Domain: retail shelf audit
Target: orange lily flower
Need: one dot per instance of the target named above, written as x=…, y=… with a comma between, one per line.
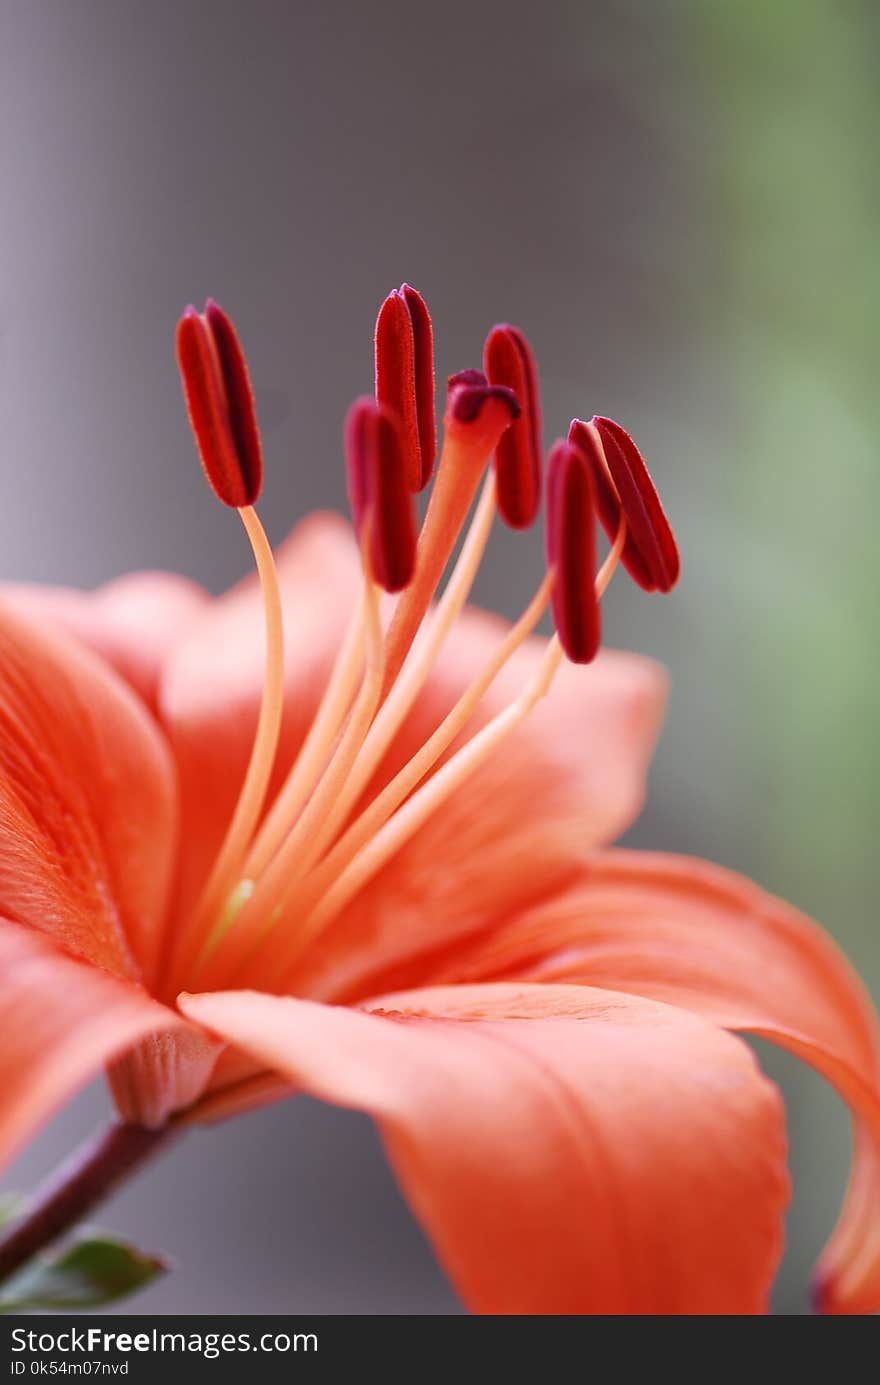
x=258, y=845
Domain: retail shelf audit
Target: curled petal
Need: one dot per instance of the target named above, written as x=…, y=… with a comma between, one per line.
x=573, y=778
x=550, y=1138
x=87, y=802
x=691, y=934
x=61, y=1021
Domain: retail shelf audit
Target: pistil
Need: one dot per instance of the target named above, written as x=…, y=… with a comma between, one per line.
x=476, y=416
x=417, y=667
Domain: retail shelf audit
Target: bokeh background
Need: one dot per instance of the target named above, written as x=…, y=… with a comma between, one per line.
x=679, y=202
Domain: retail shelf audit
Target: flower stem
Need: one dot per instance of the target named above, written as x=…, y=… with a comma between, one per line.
x=83, y=1181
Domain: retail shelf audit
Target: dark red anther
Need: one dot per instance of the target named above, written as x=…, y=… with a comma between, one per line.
x=220, y=403
x=381, y=501
x=571, y=551
x=624, y=485
x=405, y=377
x=508, y=359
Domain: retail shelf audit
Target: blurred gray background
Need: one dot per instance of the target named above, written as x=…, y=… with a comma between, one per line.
x=678, y=201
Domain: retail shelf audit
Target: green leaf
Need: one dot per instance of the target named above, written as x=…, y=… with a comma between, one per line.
x=87, y=1274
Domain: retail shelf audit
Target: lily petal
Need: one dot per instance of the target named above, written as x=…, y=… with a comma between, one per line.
x=595, y=731
x=61, y=1020
x=87, y=802
x=691, y=934
x=168, y=1072
x=210, y=689
x=573, y=776
x=567, y=1150
x=133, y=622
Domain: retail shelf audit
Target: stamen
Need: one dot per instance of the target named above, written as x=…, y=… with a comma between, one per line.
x=398, y=830
x=381, y=504
x=466, y=450
x=476, y=416
x=416, y=670
x=313, y=852
x=404, y=347
x=348, y=772
x=624, y=486
x=386, y=803
x=316, y=747
x=220, y=404
x=383, y=828
x=509, y=361
x=571, y=551
x=301, y=845
x=225, y=875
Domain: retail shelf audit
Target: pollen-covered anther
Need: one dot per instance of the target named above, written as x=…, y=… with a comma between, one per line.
x=379, y=494
x=509, y=361
x=404, y=346
x=220, y=403
x=624, y=487
x=571, y=552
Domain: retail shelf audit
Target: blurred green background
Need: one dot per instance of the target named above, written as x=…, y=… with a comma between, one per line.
x=779, y=492
x=771, y=759
x=679, y=201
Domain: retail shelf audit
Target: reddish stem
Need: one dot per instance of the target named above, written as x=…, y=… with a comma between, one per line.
x=83, y=1181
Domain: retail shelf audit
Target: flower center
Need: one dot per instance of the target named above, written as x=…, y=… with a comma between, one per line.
x=281, y=877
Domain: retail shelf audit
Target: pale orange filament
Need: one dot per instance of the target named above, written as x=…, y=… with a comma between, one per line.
x=361, y=854
x=416, y=669
x=394, y=793
x=449, y=504
x=297, y=850
x=399, y=828
x=363, y=744
x=227, y=866
x=274, y=888
x=458, y=475
x=315, y=749
x=381, y=808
